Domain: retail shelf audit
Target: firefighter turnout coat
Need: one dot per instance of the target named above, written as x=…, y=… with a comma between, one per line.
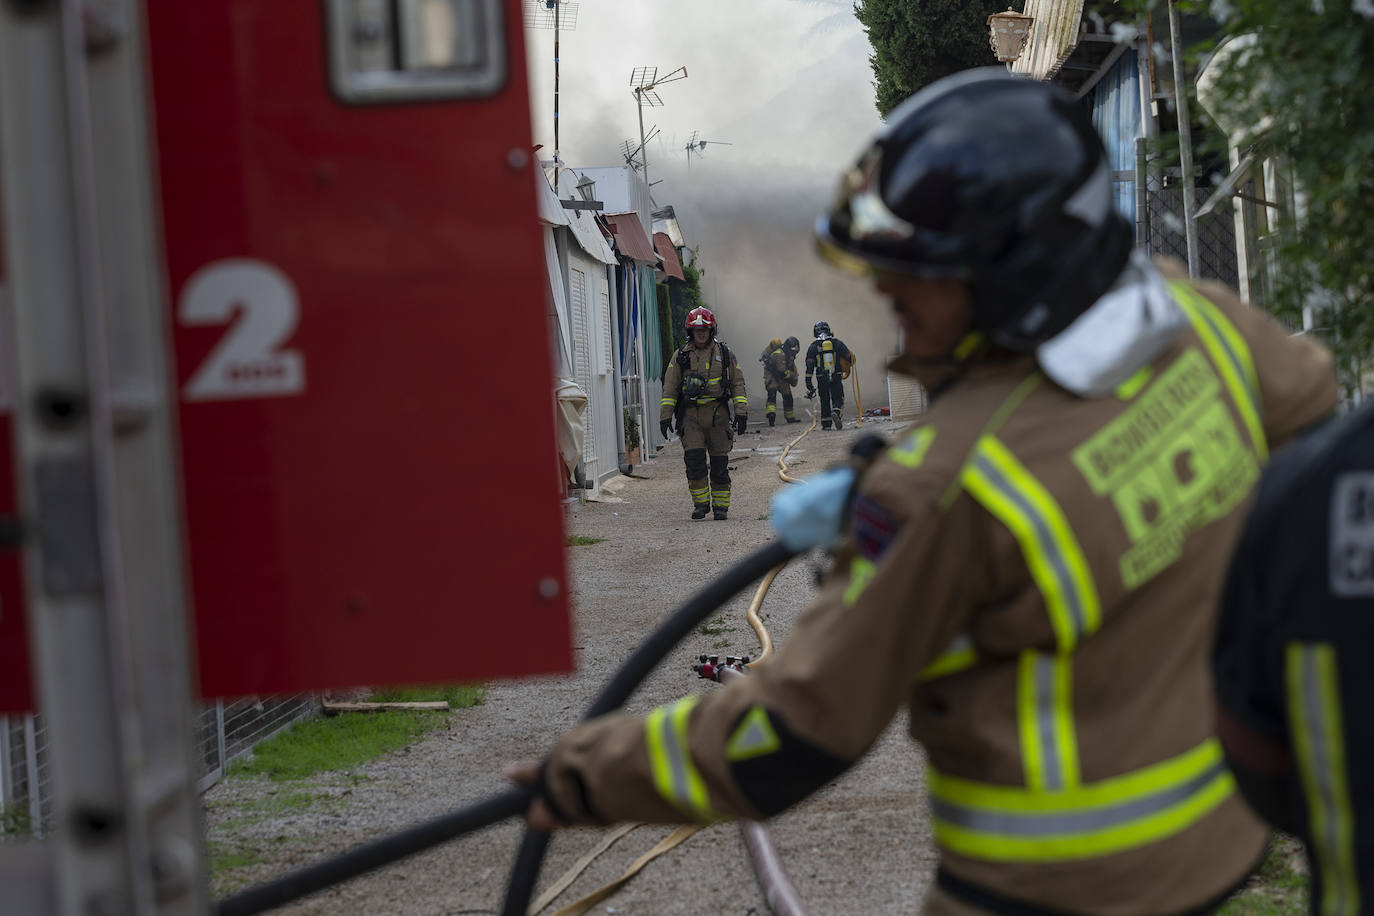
x=1034, y=574
x=724, y=386
x=779, y=369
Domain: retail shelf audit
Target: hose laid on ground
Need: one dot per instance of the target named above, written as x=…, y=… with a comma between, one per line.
x=767, y=864
x=513, y=802
x=645, y=659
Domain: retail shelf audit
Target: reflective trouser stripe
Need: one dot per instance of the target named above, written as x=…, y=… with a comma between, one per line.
x=958, y=656
x=1049, y=746
x=720, y=498
x=1005, y=488
x=1228, y=352
x=1317, y=724
x=771, y=408
x=1005, y=824
x=675, y=776
x=700, y=495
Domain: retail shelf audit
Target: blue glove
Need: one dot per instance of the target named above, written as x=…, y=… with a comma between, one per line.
x=811, y=513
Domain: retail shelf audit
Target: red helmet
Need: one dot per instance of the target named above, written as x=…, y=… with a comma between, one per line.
x=701, y=318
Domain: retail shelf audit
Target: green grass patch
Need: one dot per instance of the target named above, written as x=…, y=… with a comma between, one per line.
x=714, y=627
x=14, y=821
x=1279, y=888
x=577, y=540
x=353, y=738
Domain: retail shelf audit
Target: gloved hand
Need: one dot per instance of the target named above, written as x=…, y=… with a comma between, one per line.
x=811, y=513
x=665, y=427
x=810, y=389
x=741, y=423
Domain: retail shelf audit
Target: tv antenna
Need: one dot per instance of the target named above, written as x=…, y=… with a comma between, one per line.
x=644, y=83
x=632, y=151
x=559, y=15
x=697, y=146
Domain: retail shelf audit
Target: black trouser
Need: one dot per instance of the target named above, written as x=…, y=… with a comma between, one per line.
x=832, y=395
x=786, y=401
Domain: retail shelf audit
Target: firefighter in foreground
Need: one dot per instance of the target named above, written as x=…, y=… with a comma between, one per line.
x=702, y=383
x=1292, y=658
x=829, y=360
x=1032, y=570
x=779, y=360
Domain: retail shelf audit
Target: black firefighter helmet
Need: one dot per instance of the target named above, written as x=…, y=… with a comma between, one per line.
x=995, y=179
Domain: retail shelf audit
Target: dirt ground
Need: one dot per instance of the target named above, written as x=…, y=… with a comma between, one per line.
x=860, y=846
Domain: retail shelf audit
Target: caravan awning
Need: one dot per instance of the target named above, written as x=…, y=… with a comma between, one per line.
x=671, y=265
x=631, y=238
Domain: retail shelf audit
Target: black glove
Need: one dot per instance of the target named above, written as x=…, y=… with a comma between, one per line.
x=810, y=389
x=740, y=424
x=665, y=427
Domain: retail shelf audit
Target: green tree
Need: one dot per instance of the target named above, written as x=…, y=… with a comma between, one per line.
x=1302, y=90
x=916, y=42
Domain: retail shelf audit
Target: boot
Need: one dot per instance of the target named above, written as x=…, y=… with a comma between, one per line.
x=719, y=513
x=793, y=420
x=699, y=511
x=825, y=424
x=772, y=420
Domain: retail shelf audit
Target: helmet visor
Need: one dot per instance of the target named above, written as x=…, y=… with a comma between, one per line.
x=860, y=233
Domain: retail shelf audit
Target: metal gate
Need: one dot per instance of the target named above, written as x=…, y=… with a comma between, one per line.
x=582, y=357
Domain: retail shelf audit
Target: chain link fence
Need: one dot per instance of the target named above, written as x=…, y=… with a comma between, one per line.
x=224, y=731
x=1216, y=232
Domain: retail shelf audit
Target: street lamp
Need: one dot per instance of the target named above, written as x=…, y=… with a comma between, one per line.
x=1010, y=32
x=643, y=82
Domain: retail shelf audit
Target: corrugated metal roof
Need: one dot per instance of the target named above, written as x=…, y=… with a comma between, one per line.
x=631, y=238
x=1054, y=35
x=671, y=265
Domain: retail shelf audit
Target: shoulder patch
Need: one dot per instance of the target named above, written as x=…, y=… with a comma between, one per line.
x=874, y=528
x=753, y=737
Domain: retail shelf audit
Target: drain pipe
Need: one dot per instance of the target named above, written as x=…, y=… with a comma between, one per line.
x=772, y=877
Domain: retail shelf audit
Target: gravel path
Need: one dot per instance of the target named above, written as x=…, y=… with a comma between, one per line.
x=860, y=846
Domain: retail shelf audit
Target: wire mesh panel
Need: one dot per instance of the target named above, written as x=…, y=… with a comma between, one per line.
x=250, y=720
x=209, y=740
x=1216, y=233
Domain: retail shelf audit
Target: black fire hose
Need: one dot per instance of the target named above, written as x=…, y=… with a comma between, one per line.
x=513, y=802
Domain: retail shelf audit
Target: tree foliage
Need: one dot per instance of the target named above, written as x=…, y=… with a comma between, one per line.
x=1302, y=90
x=916, y=42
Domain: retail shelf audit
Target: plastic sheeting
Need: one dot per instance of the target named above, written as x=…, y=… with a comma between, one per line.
x=1116, y=115
x=572, y=404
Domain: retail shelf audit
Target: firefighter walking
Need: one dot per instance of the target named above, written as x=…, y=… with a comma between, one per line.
x=702, y=384
x=779, y=360
x=829, y=360
x=1032, y=570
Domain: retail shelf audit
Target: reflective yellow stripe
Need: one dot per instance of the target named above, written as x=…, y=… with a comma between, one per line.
x=1049, y=746
x=1005, y=488
x=959, y=656
x=1131, y=387
x=1317, y=723
x=675, y=776
x=668, y=402
x=1005, y=824
x=1229, y=354
x=911, y=451
x=861, y=573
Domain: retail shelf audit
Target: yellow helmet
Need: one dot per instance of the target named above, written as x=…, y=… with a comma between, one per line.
x=775, y=342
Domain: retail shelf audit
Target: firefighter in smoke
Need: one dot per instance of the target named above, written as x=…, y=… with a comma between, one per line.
x=779, y=360
x=702, y=384
x=1033, y=569
x=830, y=361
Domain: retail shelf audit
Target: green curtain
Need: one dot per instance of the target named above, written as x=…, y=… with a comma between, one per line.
x=653, y=356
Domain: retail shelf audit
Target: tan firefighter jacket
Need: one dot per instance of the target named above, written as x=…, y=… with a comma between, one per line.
x=1034, y=575
x=779, y=369
x=707, y=363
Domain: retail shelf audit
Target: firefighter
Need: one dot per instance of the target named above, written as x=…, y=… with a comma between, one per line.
x=829, y=360
x=1292, y=658
x=779, y=360
x=1032, y=570
x=702, y=383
